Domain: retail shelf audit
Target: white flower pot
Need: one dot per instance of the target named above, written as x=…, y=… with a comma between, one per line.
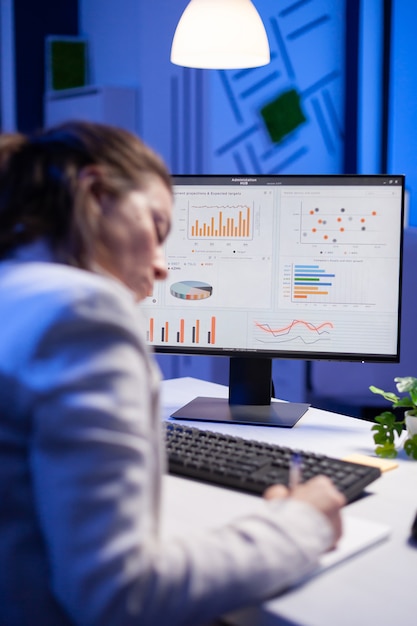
x=411, y=423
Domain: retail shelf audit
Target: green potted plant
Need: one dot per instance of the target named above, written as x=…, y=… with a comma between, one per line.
x=388, y=428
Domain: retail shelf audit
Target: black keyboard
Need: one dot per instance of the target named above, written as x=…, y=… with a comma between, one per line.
x=252, y=466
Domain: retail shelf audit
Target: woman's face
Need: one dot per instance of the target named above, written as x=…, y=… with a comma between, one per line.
x=132, y=232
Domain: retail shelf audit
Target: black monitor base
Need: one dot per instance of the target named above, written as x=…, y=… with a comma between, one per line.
x=249, y=402
x=284, y=414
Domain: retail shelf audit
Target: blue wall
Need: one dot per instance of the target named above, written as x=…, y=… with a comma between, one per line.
x=304, y=85
x=403, y=101
x=212, y=121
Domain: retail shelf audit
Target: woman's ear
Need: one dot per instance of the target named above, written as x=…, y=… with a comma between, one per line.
x=91, y=180
x=90, y=200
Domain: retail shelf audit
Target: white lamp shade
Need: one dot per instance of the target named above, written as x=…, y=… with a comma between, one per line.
x=220, y=34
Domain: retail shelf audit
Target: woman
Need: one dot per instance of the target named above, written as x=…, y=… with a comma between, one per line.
x=84, y=212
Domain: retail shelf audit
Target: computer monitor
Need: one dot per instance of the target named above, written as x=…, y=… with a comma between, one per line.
x=279, y=266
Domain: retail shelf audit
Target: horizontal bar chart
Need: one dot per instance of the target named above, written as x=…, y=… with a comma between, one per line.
x=310, y=280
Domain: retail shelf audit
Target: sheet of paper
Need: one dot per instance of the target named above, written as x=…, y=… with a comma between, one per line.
x=358, y=535
x=190, y=507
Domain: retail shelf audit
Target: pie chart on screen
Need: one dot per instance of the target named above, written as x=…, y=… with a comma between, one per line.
x=191, y=290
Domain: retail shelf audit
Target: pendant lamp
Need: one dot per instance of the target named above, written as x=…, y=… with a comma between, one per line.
x=220, y=34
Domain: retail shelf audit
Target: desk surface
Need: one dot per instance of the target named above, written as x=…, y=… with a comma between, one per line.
x=373, y=587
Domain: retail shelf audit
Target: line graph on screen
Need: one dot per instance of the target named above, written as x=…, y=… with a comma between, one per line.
x=296, y=330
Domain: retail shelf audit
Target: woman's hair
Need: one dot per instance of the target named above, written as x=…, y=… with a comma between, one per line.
x=50, y=183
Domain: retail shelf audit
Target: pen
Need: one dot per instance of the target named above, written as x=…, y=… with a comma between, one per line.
x=294, y=477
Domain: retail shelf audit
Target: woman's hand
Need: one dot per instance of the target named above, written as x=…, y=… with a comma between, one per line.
x=320, y=493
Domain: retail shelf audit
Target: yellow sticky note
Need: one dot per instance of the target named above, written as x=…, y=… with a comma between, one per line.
x=383, y=464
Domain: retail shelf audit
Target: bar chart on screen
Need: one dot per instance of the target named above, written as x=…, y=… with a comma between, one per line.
x=182, y=330
x=340, y=282
x=222, y=214
x=220, y=221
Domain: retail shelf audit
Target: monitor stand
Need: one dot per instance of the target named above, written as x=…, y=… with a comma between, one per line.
x=249, y=402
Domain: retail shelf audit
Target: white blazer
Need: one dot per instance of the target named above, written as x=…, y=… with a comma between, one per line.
x=81, y=458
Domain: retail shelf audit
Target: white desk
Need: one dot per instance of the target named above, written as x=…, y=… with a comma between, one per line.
x=374, y=587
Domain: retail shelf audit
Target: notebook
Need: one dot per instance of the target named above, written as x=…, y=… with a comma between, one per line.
x=358, y=535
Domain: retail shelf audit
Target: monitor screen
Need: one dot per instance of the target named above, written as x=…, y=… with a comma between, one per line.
x=281, y=266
